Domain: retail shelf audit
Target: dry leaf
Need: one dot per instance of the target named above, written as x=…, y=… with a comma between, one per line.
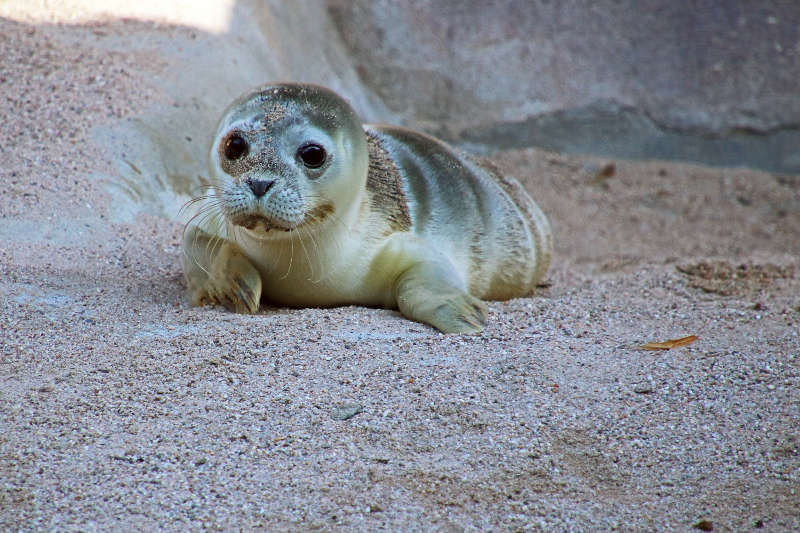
x=672, y=343
x=703, y=525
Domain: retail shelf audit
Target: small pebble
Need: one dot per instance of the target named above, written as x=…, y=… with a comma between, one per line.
x=346, y=411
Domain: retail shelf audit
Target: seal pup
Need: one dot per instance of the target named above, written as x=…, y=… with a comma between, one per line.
x=311, y=208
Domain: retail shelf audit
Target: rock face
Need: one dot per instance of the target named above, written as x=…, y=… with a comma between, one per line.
x=714, y=82
x=709, y=82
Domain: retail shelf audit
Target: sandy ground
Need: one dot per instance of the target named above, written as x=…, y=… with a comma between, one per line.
x=121, y=408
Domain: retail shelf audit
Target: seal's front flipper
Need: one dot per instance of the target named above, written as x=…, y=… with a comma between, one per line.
x=426, y=292
x=218, y=272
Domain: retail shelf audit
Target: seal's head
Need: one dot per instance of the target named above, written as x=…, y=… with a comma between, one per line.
x=287, y=156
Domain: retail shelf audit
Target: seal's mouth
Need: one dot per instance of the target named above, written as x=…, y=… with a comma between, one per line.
x=253, y=222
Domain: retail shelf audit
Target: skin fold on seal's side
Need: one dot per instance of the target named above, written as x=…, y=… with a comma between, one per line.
x=309, y=208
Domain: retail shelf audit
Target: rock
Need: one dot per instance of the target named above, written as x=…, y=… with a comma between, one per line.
x=346, y=411
x=652, y=79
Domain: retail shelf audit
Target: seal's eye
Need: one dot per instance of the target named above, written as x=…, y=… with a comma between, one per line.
x=235, y=147
x=312, y=155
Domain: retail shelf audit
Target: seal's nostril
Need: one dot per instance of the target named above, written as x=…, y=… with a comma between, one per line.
x=259, y=187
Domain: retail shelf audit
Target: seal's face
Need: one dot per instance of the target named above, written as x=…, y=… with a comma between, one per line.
x=287, y=156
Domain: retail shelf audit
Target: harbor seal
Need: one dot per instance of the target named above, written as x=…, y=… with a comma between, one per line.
x=310, y=208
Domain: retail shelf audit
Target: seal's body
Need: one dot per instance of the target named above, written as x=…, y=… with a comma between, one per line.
x=318, y=210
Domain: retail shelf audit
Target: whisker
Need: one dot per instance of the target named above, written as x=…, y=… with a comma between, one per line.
x=218, y=242
x=202, y=197
x=319, y=250
x=308, y=258
x=291, y=257
x=318, y=254
x=207, y=215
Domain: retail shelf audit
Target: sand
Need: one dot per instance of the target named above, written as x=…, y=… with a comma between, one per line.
x=122, y=408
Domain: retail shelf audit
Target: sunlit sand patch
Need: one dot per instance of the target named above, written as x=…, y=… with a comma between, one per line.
x=208, y=15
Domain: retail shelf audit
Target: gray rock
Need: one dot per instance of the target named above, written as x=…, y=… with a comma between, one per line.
x=713, y=82
x=346, y=411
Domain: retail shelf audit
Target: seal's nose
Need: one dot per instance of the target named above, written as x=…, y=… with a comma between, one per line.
x=259, y=187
